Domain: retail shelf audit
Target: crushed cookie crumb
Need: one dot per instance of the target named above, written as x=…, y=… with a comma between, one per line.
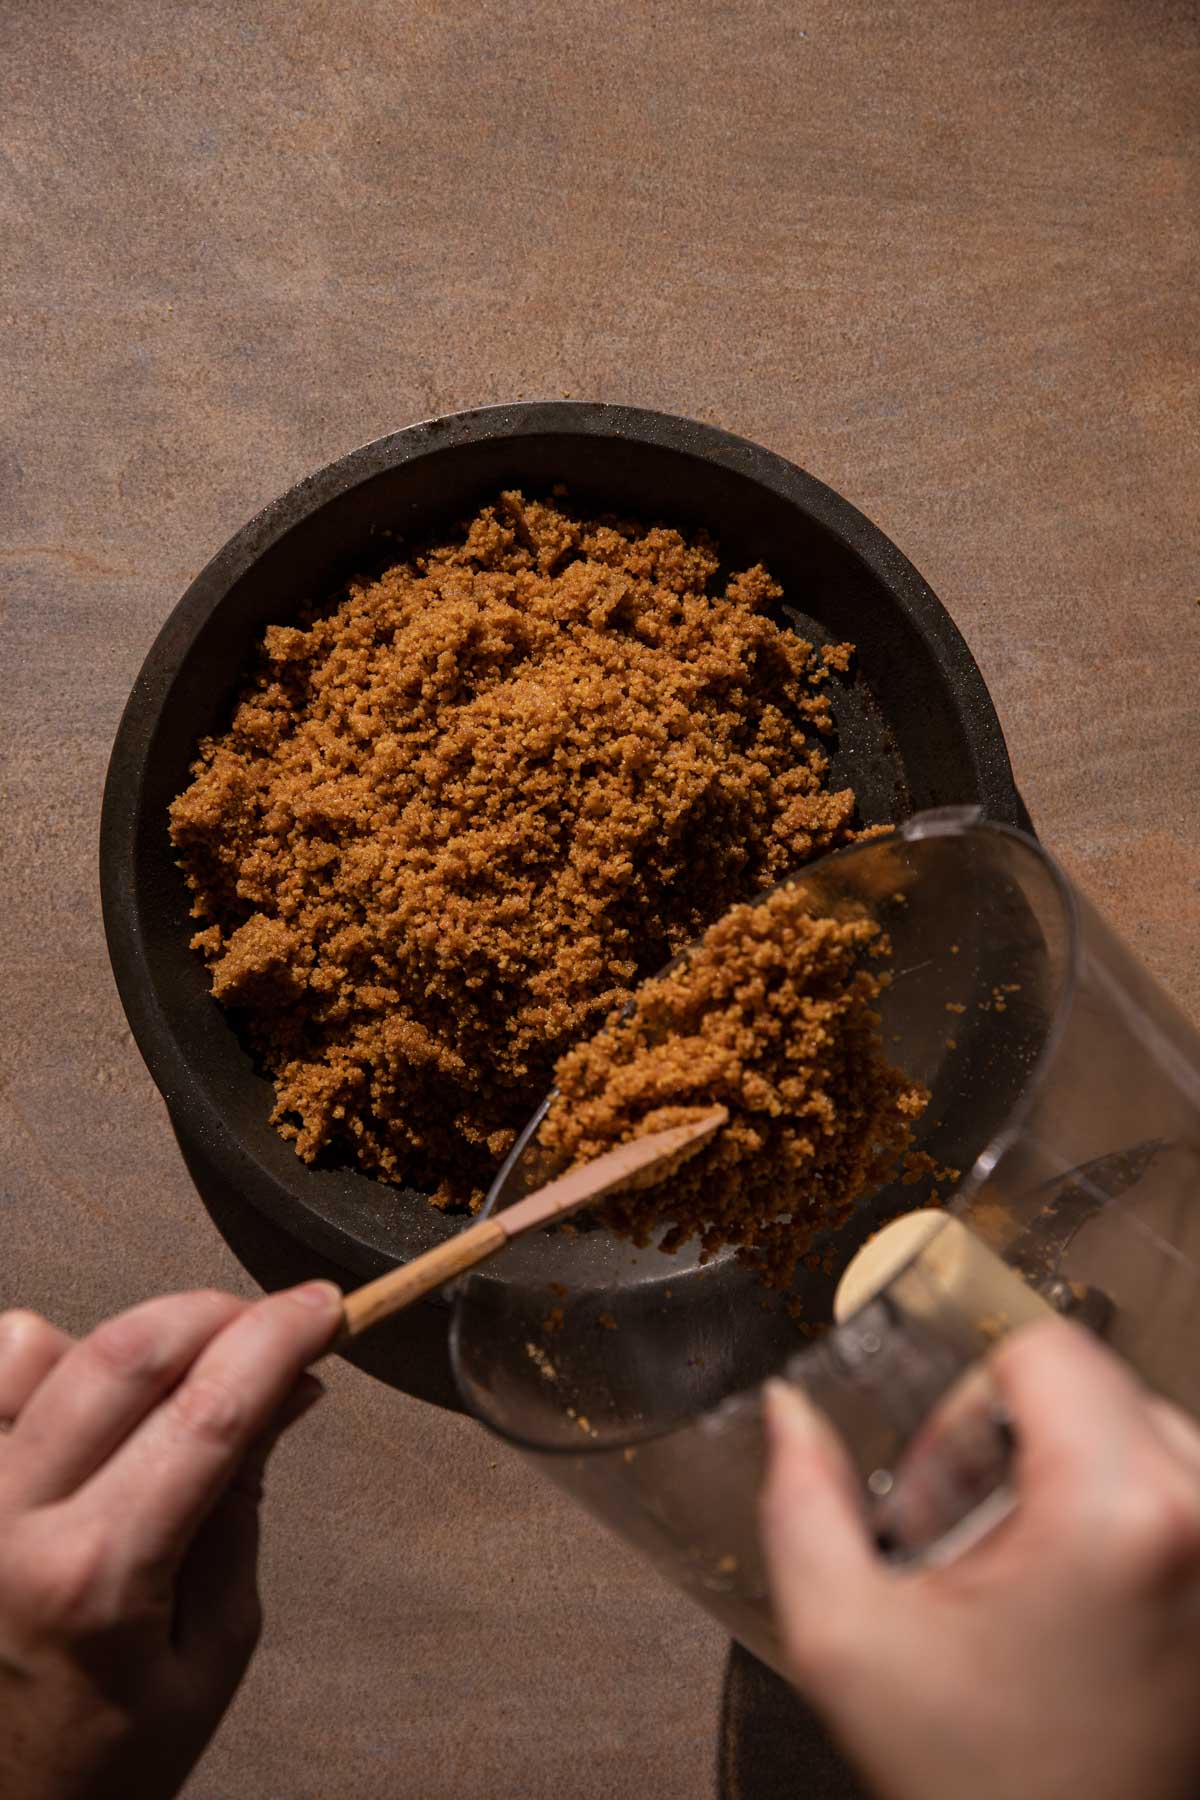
x=464, y=807
x=918, y=1165
x=541, y=1361
x=772, y=1015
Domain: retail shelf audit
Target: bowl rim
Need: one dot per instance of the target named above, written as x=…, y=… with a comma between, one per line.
x=121, y=901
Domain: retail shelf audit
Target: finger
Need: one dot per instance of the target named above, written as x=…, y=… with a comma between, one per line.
x=103, y=1387
x=29, y=1348
x=303, y=1397
x=821, y=1562
x=217, y=1608
x=957, y=1458
x=218, y=1612
x=171, y=1472
x=1081, y=1421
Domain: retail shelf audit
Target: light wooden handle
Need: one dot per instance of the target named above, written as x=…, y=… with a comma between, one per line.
x=632, y=1165
x=366, y=1306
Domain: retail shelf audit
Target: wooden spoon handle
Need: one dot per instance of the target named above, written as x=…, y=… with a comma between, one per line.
x=366, y=1306
x=636, y=1164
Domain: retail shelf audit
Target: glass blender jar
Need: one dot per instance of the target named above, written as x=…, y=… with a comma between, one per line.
x=1064, y=1090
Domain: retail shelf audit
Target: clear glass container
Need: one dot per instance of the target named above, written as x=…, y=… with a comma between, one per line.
x=1065, y=1090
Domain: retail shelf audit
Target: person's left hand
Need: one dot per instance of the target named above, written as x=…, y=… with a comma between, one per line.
x=129, y=1483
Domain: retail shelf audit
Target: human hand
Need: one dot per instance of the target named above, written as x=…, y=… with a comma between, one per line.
x=1060, y=1654
x=129, y=1472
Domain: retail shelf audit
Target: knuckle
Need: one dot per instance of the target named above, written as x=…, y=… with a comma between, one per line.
x=62, y=1583
x=209, y=1410
x=215, y=1298
x=127, y=1346
x=1156, y=1526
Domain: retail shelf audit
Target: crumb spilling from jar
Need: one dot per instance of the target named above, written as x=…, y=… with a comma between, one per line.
x=461, y=812
x=773, y=1015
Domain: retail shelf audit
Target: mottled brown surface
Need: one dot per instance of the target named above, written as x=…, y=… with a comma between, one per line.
x=459, y=815
x=772, y=1015
x=944, y=256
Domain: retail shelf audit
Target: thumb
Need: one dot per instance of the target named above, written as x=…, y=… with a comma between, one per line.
x=304, y=1396
x=217, y=1611
x=824, y=1574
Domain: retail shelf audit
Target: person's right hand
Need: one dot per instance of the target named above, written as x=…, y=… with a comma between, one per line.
x=1059, y=1656
x=129, y=1470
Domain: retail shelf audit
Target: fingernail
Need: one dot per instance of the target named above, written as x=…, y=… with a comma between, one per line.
x=321, y=1296
x=790, y=1415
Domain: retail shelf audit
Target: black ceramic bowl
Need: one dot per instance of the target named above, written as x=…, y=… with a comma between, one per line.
x=915, y=726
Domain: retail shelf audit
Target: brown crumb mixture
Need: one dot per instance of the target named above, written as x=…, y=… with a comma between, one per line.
x=460, y=813
x=772, y=1015
x=920, y=1166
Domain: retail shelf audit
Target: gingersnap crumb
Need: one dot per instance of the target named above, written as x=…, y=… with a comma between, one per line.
x=463, y=810
x=772, y=1015
x=606, y=1320
x=918, y=1165
x=541, y=1361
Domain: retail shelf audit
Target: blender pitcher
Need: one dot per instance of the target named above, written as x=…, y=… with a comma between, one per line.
x=1063, y=1139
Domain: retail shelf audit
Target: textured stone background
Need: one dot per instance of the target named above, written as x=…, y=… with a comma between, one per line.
x=942, y=255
